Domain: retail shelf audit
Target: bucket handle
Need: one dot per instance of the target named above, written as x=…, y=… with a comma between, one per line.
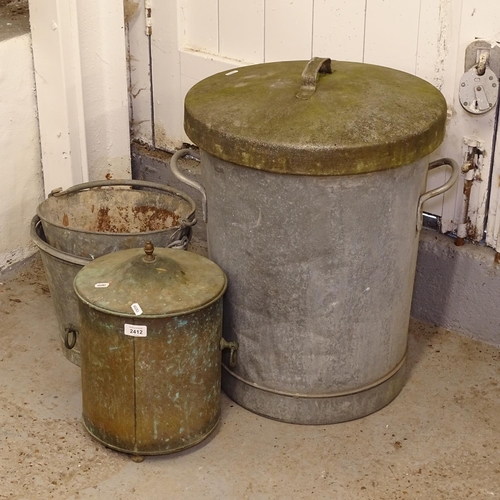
x=439, y=190
x=186, y=180
x=116, y=182
x=58, y=254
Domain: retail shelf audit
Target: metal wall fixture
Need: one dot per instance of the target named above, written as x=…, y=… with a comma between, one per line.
x=478, y=94
x=478, y=91
x=471, y=170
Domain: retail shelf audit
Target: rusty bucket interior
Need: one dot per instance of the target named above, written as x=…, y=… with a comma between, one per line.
x=96, y=218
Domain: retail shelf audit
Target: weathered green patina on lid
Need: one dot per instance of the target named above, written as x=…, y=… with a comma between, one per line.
x=175, y=282
x=360, y=118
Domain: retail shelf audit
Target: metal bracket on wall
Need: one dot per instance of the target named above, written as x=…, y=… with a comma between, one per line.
x=473, y=54
x=148, y=17
x=478, y=91
x=471, y=169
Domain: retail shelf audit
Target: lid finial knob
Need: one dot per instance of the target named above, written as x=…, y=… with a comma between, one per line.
x=148, y=250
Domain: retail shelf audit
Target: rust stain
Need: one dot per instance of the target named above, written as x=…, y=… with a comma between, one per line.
x=103, y=220
x=497, y=258
x=145, y=218
x=65, y=220
x=92, y=209
x=156, y=218
x=467, y=188
x=109, y=176
x=130, y=7
x=472, y=232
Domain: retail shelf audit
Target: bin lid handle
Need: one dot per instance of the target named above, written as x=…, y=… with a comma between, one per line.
x=310, y=75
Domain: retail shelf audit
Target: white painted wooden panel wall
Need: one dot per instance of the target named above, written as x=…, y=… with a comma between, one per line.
x=139, y=73
x=192, y=39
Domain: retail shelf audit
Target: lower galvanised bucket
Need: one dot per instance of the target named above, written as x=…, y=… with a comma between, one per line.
x=60, y=270
x=320, y=272
x=89, y=220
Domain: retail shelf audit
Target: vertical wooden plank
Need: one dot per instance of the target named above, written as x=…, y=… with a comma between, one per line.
x=338, y=29
x=241, y=30
x=61, y=126
x=391, y=33
x=437, y=45
x=436, y=62
x=139, y=65
x=199, y=25
x=167, y=100
x=288, y=30
x=493, y=228
x=196, y=66
x=104, y=75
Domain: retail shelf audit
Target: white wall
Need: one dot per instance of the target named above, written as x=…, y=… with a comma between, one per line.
x=21, y=186
x=80, y=58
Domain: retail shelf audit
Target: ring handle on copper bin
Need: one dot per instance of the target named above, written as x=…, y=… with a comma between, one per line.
x=72, y=332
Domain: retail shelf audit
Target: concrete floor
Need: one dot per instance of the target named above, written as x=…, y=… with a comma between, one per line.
x=438, y=440
x=14, y=18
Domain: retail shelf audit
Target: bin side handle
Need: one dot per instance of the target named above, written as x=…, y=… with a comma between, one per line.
x=439, y=190
x=186, y=180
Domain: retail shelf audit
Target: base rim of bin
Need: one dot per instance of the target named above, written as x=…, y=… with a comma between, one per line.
x=152, y=453
x=311, y=410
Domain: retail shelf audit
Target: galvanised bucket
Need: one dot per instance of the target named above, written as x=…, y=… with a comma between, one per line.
x=314, y=187
x=90, y=220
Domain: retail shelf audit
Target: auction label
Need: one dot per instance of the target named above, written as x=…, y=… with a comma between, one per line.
x=135, y=330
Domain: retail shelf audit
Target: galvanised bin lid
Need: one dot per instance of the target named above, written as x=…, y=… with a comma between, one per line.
x=332, y=118
x=150, y=283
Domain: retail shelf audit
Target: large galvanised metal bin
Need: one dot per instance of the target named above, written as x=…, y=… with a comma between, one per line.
x=315, y=180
